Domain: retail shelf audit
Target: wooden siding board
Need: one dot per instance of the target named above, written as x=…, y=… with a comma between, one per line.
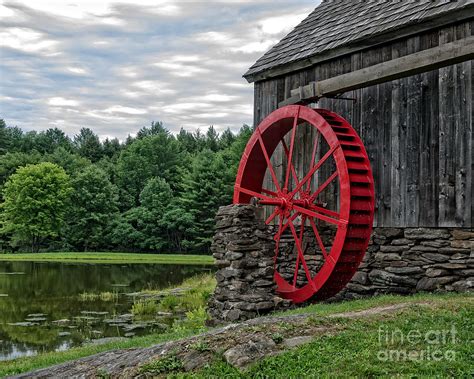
x=463, y=131
x=414, y=121
x=429, y=142
x=447, y=127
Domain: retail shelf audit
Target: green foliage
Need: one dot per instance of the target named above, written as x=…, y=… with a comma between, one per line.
x=94, y=205
x=35, y=203
x=164, y=365
x=144, y=307
x=207, y=185
x=103, y=296
x=88, y=145
x=154, y=193
x=195, y=320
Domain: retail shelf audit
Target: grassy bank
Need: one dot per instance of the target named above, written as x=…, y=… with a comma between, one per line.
x=100, y=257
x=354, y=351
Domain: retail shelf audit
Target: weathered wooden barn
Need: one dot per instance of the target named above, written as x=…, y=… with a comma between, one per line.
x=417, y=130
x=417, y=127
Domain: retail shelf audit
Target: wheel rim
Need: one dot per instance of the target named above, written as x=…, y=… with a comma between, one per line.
x=339, y=169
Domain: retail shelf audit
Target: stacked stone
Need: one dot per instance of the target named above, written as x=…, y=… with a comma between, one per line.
x=243, y=248
x=415, y=259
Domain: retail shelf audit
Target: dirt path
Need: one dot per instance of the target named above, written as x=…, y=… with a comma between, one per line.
x=241, y=345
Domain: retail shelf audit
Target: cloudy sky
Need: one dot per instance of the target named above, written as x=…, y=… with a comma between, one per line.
x=115, y=66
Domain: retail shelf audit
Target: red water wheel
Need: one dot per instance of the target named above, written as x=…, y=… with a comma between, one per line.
x=320, y=210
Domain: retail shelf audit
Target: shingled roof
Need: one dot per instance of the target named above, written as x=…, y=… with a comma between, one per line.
x=339, y=27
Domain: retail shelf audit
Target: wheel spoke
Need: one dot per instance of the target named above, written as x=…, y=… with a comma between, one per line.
x=292, y=147
x=277, y=238
x=291, y=218
x=293, y=171
x=255, y=194
x=300, y=252
x=318, y=237
x=313, y=157
x=268, y=192
x=313, y=170
x=269, y=163
x=324, y=211
x=320, y=216
x=295, y=277
x=322, y=187
x=272, y=216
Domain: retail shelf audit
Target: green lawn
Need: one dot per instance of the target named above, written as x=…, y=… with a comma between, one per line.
x=109, y=258
x=355, y=351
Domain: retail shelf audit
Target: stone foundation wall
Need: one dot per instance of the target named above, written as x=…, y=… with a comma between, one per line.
x=243, y=247
x=401, y=261
x=410, y=260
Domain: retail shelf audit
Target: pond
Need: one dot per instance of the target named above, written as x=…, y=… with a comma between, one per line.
x=56, y=306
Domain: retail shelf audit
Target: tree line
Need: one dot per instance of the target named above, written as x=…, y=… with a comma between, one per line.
x=155, y=192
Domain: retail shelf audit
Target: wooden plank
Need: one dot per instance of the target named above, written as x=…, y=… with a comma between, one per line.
x=385, y=104
x=447, y=128
x=429, y=142
x=441, y=56
x=413, y=131
x=398, y=148
x=463, y=136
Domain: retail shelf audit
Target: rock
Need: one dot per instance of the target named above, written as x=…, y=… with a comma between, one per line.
x=450, y=266
x=436, y=257
x=194, y=359
x=434, y=272
x=389, y=232
x=296, y=341
x=463, y=244
x=464, y=285
x=405, y=270
x=387, y=257
x=384, y=277
x=360, y=277
x=402, y=241
x=242, y=355
x=462, y=234
x=426, y=234
x=64, y=334
x=36, y=319
x=394, y=249
x=61, y=322
x=430, y=284
x=435, y=243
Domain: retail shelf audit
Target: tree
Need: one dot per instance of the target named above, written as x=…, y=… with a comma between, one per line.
x=212, y=139
x=94, y=204
x=35, y=200
x=88, y=145
x=155, y=129
x=154, y=156
x=4, y=140
x=10, y=162
x=227, y=139
x=207, y=186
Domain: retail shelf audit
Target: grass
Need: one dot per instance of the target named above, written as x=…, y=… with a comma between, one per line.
x=103, y=296
x=118, y=258
x=162, y=366
x=144, y=307
x=352, y=352
x=415, y=342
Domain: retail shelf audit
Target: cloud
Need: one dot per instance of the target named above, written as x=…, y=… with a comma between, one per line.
x=115, y=66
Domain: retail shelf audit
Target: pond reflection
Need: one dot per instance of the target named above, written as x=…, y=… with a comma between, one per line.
x=55, y=306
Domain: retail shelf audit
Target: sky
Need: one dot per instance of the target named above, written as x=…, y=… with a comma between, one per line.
x=116, y=66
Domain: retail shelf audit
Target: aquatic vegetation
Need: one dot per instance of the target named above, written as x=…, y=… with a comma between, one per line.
x=144, y=307
x=103, y=296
